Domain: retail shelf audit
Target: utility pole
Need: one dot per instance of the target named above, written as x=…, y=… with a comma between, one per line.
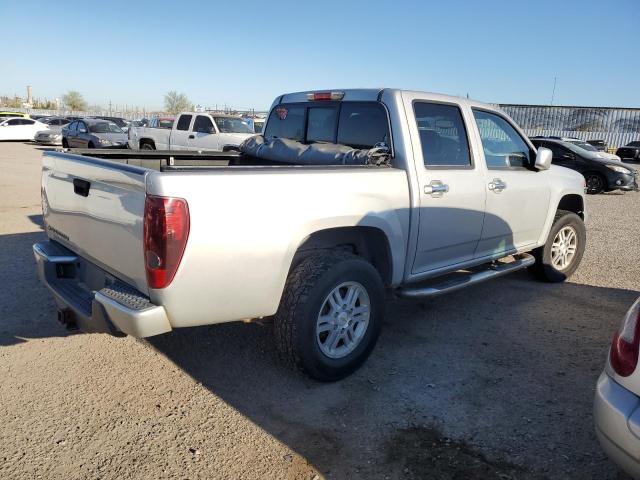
x=553, y=93
x=109, y=107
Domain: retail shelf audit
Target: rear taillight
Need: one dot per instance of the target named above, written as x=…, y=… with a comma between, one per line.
x=166, y=229
x=626, y=342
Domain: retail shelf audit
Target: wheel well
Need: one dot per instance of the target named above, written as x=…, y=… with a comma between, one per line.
x=230, y=148
x=572, y=203
x=368, y=242
x=147, y=140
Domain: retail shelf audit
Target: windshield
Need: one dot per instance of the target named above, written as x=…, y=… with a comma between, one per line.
x=104, y=127
x=584, y=145
x=232, y=125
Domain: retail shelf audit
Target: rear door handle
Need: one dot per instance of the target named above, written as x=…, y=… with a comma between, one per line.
x=436, y=188
x=497, y=185
x=81, y=187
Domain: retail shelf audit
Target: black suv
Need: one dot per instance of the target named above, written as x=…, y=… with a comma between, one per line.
x=599, y=174
x=630, y=152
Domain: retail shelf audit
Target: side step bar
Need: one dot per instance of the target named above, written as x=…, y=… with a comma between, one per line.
x=496, y=269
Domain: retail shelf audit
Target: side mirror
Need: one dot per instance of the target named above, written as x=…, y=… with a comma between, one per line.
x=543, y=158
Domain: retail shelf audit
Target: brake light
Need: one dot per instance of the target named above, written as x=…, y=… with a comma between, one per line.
x=626, y=342
x=166, y=229
x=325, y=96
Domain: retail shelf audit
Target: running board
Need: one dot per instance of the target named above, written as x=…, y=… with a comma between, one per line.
x=465, y=279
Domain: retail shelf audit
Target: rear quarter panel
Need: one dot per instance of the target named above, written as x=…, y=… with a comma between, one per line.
x=246, y=226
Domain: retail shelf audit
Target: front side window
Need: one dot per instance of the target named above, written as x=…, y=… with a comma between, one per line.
x=183, y=122
x=443, y=136
x=82, y=128
x=203, y=125
x=503, y=146
x=27, y=122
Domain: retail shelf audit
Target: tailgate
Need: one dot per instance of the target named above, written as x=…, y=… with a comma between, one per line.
x=95, y=208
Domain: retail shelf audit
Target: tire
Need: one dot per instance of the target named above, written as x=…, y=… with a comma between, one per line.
x=64, y=143
x=91, y=145
x=595, y=182
x=302, y=342
x=546, y=268
x=147, y=146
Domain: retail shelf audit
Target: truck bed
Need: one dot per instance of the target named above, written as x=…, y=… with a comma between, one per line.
x=171, y=160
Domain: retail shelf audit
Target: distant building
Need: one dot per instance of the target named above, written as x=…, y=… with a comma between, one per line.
x=616, y=126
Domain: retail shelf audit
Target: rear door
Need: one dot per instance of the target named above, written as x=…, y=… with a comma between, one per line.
x=517, y=195
x=452, y=193
x=203, y=134
x=179, y=139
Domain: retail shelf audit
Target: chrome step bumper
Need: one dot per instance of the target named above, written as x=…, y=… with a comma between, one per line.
x=116, y=308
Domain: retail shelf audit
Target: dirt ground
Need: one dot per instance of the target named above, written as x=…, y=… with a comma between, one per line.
x=495, y=381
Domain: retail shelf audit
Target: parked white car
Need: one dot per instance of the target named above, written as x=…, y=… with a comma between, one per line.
x=617, y=404
x=194, y=131
x=19, y=128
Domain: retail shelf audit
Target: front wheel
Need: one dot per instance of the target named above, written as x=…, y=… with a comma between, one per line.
x=330, y=314
x=560, y=256
x=595, y=183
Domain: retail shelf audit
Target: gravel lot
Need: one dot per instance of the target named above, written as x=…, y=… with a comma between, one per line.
x=491, y=382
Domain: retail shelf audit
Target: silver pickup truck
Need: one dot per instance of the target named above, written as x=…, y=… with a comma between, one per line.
x=141, y=243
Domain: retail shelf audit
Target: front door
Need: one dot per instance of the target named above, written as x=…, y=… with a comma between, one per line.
x=517, y=195
x=203, y=135
x=452, y=193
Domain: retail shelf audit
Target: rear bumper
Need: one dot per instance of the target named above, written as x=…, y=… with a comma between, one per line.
x=114, y=308
x=615, y=413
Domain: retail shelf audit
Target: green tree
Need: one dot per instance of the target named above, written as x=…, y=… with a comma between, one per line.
x=74, y=100
x=175, y=102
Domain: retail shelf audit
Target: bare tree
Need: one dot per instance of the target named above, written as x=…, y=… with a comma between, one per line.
x=175, y=102
x=74, y=100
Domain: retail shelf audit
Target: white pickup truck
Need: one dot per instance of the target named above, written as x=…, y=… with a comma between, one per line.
x=193, y=131
x=143, y=243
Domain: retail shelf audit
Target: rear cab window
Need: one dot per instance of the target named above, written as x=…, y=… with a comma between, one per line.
x=355, y=124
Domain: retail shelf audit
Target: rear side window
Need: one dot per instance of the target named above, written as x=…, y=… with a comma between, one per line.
x=14, y=121
x=443, y=137
x=356, y=124
x=503, y=146
x=183, y=122
x=27, y=122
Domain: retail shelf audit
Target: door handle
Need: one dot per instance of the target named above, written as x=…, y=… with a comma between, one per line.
x=192, y=136
x=81, y=187
x=497, y=185
x=436, y=188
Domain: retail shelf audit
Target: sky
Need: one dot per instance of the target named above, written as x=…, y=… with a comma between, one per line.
x=244, y=53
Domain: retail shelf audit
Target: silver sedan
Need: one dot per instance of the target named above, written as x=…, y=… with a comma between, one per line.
x=52, y=136
x=617, y=404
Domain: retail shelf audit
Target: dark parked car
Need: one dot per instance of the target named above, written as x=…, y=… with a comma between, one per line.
x=600, y=174
x=630, y=152
x=93, y=133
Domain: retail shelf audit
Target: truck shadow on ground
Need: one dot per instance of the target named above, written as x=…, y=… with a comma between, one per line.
x=508, y=367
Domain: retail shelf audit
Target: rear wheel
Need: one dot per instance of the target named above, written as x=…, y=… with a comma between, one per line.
x=91, y=145
x=595, y=183
x=64, y=143
x=330, y=314
x=147, y=146
x=560, y=256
